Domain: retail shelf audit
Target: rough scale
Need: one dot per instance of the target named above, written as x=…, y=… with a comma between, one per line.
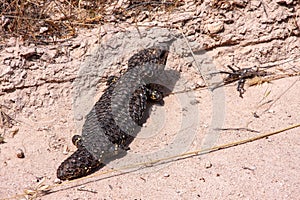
x=102, y=138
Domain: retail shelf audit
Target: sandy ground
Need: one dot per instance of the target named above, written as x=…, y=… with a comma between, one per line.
x=41, y=91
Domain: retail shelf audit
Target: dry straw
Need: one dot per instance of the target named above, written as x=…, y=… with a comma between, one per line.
x=42, y=189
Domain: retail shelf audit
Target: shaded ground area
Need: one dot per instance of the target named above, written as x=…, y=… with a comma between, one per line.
x=37, y=96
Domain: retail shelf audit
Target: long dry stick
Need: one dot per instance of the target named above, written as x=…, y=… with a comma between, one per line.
x=158, y=161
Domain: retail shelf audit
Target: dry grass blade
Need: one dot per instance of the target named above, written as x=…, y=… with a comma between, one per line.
x=44, y=21
x=267, y=79
x=143, y=4
x=39, y=190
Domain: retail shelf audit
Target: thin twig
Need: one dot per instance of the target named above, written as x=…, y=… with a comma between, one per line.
x=148, y=3
x=236, y=129
x=273, y=101
x=284, y=92
x=277, y=63
x=193, y=55
x=168, y=159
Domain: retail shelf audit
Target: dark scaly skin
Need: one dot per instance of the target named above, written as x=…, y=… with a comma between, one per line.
x=82, y=162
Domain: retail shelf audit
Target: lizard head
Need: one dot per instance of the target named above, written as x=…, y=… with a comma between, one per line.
x=80, y=163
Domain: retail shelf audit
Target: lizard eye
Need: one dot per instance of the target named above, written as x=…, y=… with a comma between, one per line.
x=156, y=95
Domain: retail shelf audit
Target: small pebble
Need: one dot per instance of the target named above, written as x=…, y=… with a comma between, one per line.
x=43, y=29
x=252, y=168
x=57, y=181
x=215, y=27
x=208, y=165
x=78, y=117
x=65, y=150
x=20, y=153
x=269, y=139
x=13, y=131
x=166, y=175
